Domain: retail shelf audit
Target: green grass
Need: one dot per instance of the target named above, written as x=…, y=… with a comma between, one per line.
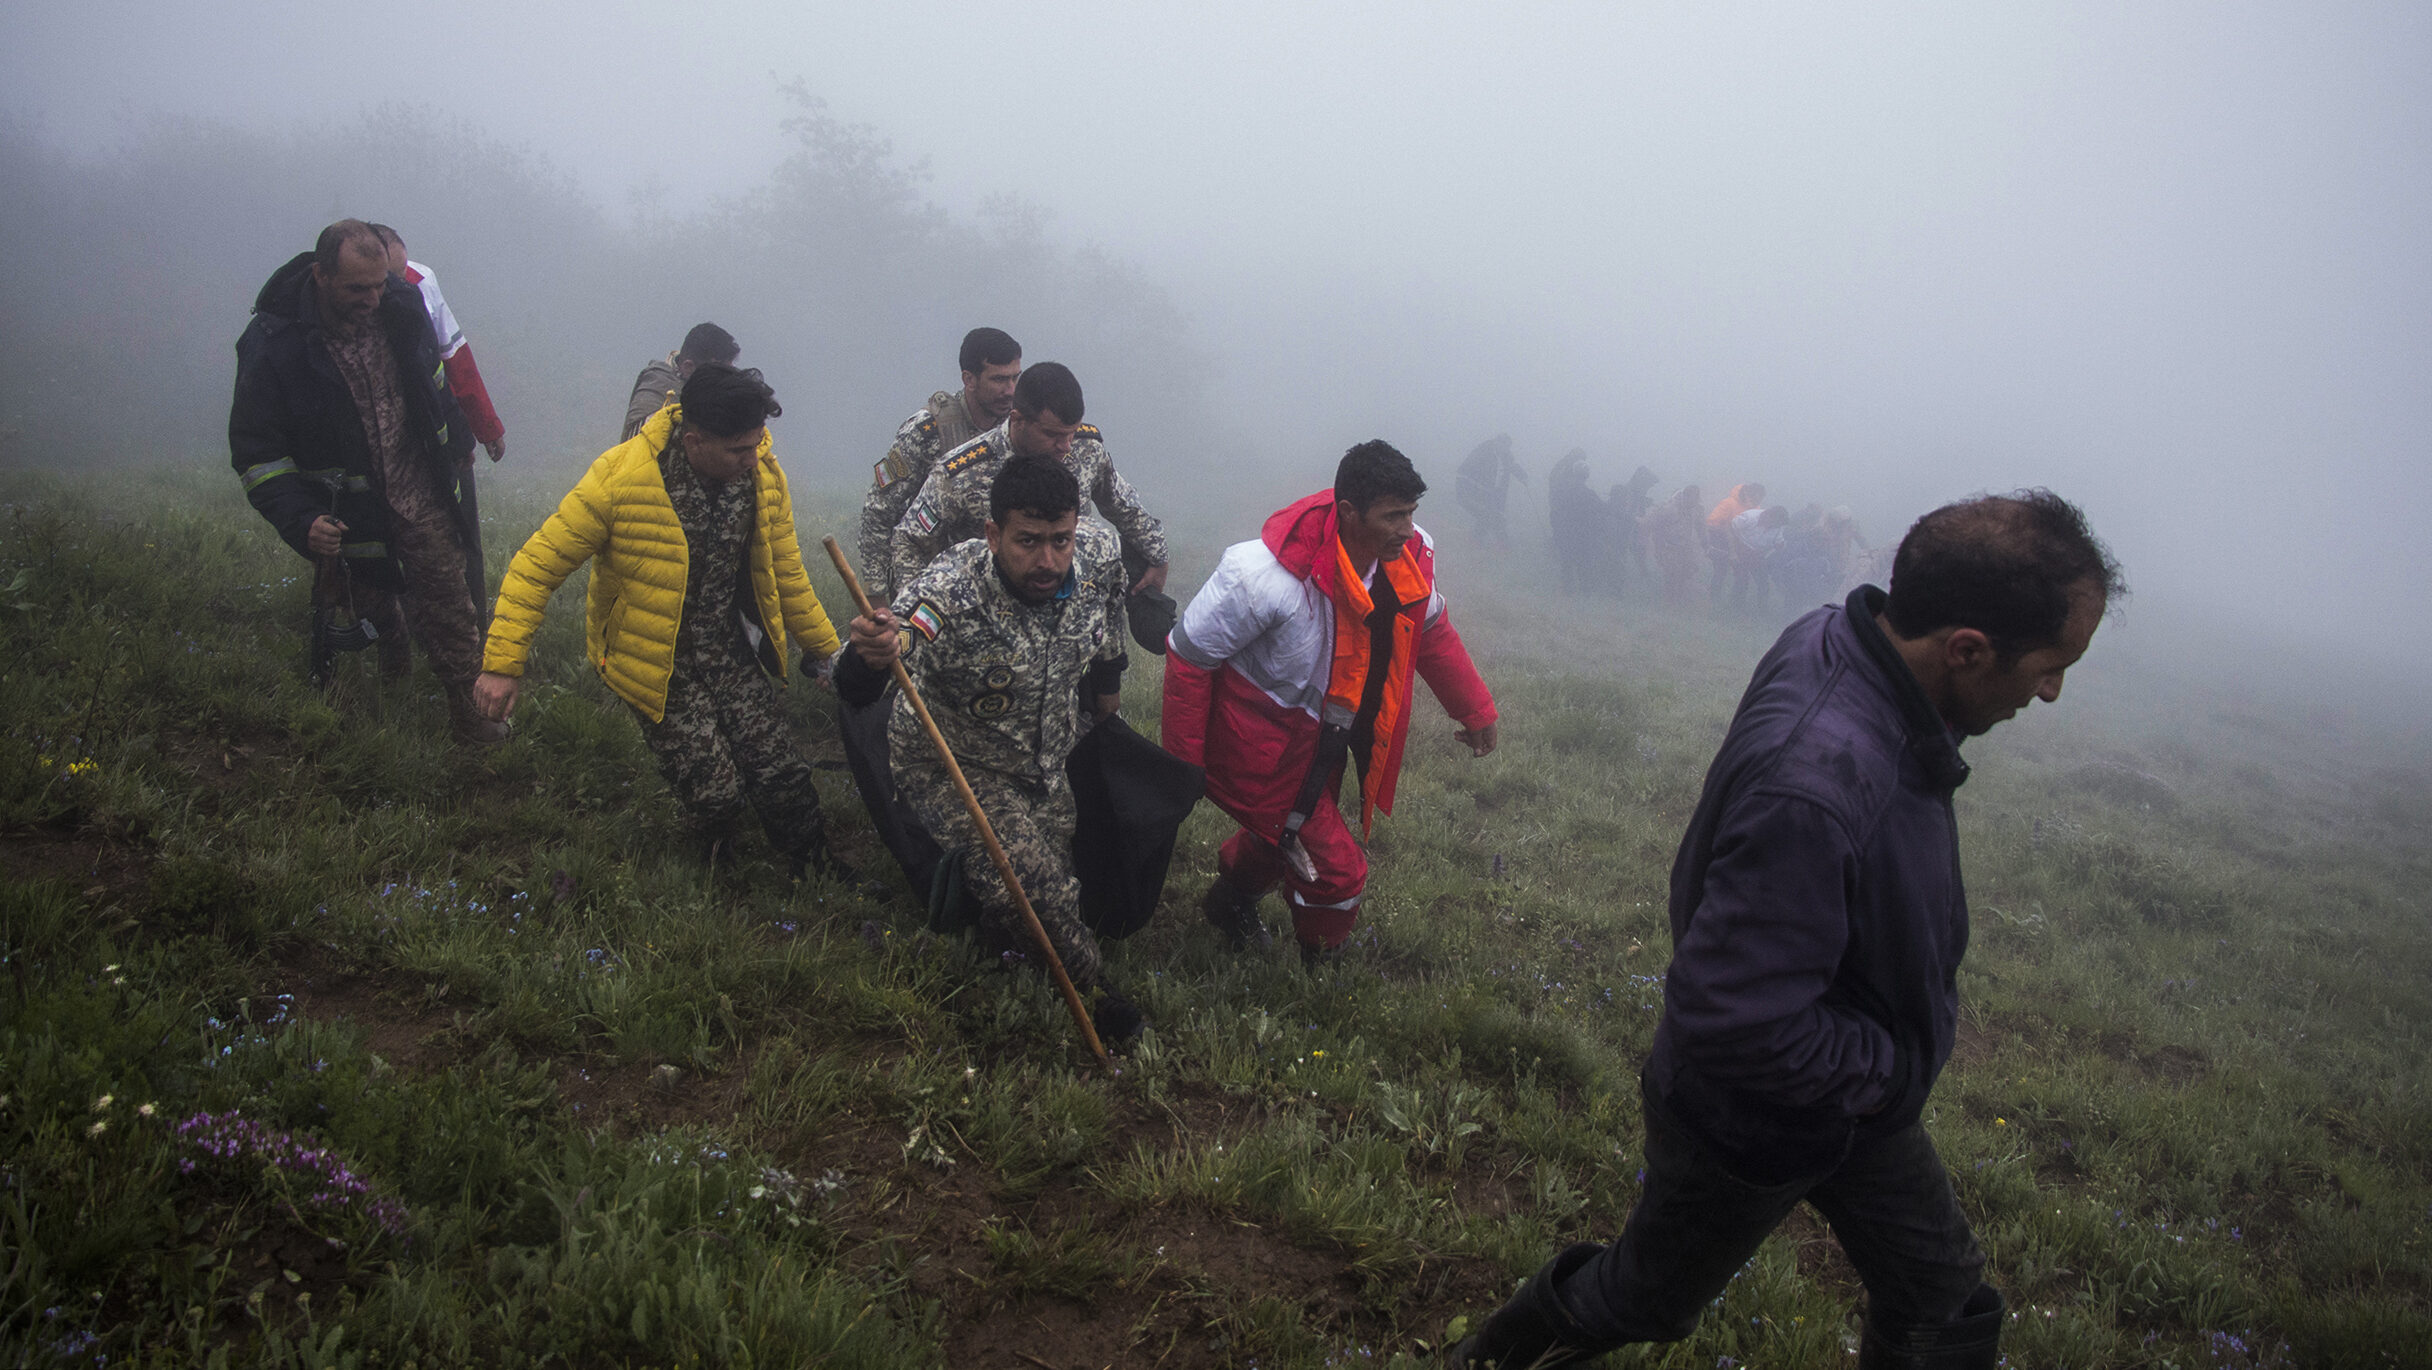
x=637, y=1112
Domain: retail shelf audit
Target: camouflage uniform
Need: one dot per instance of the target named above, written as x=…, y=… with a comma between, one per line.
x=724, y=740
x=953, y=502
x=1004, y=680
x=929, y=434
x=426, y=533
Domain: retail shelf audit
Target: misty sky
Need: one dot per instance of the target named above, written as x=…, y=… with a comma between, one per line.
x=2168, y=259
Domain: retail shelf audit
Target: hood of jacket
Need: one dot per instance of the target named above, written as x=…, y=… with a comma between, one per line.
x=288, y=295
x=1301, y=533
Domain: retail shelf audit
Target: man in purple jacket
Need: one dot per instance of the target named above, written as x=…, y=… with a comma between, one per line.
x=1818, y=921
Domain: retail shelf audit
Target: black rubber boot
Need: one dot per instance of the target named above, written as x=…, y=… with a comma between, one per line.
x=1535, y=1328
x=1233, y=911
x=1971, y=1342
x=1117, y=1019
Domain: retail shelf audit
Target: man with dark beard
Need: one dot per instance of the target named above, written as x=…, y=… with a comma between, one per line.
x=1007, y=636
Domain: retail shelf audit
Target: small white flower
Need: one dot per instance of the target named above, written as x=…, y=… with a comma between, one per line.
x=98, y=1128
x=103, y=1103
x=146, y=1111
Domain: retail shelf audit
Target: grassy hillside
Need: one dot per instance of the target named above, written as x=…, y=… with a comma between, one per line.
x=324, y=1042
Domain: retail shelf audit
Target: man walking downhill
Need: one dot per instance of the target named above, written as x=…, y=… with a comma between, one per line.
x=348, y=443
x=1818, y=921
x=1296, y=657
x=1009, y=637
x=697, y=591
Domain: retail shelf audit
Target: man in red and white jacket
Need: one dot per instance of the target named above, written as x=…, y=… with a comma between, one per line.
x=473, y=397
x=1297, y=656
x=464, y=378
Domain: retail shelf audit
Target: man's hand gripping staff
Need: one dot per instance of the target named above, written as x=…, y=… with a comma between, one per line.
x=879, y=641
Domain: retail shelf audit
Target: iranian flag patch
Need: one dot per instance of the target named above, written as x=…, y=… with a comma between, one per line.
x=927, y=620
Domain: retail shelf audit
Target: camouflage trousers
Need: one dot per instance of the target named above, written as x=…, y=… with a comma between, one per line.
x=1034, y=824
x=725, y=743
x=437, y=605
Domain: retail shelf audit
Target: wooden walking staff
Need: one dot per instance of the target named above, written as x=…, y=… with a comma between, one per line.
x=996, y=851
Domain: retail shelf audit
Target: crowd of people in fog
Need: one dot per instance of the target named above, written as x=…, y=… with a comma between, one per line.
x=1759, y=559
x=1817, y=913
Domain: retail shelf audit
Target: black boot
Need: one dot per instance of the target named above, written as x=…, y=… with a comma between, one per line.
x=1117, y=1019
x=1534, y=1328
x=1970, y=1342
x=1233, y=911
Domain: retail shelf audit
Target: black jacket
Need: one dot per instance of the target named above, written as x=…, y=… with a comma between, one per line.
x=1818, y=918
x=294, y=435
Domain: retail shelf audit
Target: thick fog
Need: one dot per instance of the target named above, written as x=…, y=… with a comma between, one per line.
x=2170, y=260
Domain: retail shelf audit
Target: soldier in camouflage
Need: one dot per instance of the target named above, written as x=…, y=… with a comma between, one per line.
x=720, y=735
x=1005, y=636
x=991, y=362
x=1045, y=422
x=661, y=381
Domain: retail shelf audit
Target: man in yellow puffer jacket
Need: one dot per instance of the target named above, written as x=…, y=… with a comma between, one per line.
x=697, y=589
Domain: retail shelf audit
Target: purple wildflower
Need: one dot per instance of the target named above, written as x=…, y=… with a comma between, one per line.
x=325, y=1181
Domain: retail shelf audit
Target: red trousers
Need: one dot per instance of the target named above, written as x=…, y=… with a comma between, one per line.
x=1324, y=910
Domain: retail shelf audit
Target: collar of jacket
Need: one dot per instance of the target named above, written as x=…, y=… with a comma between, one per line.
x=1928, y=736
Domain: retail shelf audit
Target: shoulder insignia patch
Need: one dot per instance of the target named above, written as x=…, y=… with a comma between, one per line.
x=1089, y=431
x=926, y=619
x=970, y=457
x=928, y=428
